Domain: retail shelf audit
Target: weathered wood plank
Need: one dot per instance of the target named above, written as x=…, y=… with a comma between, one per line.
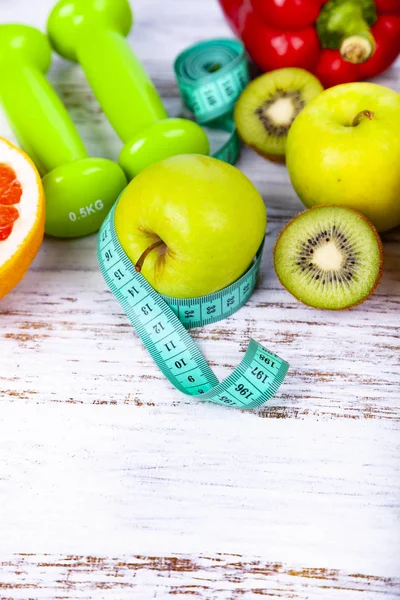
x=220, y=577
x=106, y=481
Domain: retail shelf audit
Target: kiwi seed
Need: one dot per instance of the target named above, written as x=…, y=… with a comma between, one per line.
x=329, y=257
x=268, y=106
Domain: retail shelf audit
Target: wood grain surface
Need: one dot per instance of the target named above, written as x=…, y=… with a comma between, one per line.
x=220, y=577
x=114, y=485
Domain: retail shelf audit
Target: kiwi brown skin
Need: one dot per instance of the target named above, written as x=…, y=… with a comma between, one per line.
x=380, y=246
x=279, y=159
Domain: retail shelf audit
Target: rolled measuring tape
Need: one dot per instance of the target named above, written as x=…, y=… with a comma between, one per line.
x=160, y=322
x=211, y=76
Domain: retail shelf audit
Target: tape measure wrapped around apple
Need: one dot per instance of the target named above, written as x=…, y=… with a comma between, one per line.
x=182, y=248
x=79, y=190
x=93, y=34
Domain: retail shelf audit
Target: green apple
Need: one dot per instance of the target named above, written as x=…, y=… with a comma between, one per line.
x=344, y=148
x=192, y=224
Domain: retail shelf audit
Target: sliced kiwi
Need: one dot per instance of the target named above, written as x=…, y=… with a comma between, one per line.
x=329, y=257
x=268, y=106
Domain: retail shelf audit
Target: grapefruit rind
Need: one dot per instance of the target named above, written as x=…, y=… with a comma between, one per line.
x=19, y=249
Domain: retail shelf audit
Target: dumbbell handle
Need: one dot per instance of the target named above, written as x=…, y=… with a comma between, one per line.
x=119, y=82
x=37, y=116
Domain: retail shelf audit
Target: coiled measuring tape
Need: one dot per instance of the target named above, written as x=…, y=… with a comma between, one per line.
x=211, y=76
x=160, y=322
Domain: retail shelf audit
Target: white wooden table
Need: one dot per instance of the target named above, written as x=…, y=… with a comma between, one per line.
x=114, y=485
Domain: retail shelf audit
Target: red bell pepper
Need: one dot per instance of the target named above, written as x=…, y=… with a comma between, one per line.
x=338, y=40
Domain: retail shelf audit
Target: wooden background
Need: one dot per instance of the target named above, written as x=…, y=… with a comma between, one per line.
x=114, y=485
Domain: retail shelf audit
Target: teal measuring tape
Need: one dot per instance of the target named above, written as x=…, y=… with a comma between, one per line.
x=160, y=322
x=211, y=76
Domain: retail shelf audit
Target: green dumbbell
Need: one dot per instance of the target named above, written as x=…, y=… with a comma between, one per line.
x=93, y=33
x=79, y=190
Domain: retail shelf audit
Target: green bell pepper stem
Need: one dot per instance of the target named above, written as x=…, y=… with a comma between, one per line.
x=37, y=116
x=345, y=25
x=119, y=82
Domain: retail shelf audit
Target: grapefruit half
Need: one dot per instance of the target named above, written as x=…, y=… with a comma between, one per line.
x=21, y=215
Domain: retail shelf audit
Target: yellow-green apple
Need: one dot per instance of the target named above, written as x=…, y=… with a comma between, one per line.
x=344, y=148
x=192, y=224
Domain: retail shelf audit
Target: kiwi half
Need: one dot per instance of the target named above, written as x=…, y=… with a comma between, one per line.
x=329, y=257
x=268, y=106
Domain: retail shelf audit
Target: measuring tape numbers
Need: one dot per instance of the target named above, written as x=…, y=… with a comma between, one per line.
x=161, y=323
x=211, y=76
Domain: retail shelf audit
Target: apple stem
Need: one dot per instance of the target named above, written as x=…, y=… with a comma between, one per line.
x=139, y=264
x=364, y=113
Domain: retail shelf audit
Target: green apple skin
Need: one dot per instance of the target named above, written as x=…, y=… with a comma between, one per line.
x=332, y=162
x=209, y=215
